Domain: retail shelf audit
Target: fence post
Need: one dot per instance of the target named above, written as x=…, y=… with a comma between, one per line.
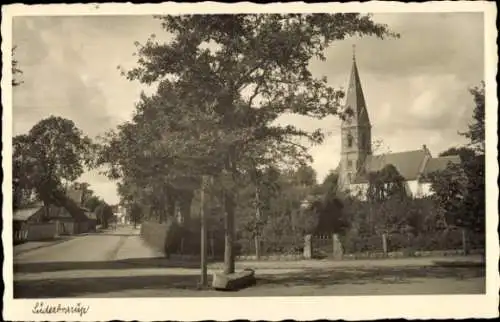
x=384, y=243
x=465, y=248
x=308, y=247
x=338, y=252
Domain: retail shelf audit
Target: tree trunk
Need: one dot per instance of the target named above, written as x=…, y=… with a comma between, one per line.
x=257, y=219
x=257, y=246
x=229, y=232
x=185, y=206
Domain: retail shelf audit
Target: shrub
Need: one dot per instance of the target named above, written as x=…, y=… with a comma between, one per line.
x=355, y=243
x=163, y=237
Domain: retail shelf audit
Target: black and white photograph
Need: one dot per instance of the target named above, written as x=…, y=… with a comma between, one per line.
x=236, y=155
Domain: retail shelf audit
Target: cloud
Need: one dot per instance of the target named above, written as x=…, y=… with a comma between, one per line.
x=75, y=74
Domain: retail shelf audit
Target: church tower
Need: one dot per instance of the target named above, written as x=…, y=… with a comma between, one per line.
x=355, y=131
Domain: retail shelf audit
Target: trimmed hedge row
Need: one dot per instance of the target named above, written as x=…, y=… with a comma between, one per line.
x=171, y=238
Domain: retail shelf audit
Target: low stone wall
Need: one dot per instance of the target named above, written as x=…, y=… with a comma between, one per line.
x=38, y=232
x=297, y=257
x=435, y=253
x=293, y=257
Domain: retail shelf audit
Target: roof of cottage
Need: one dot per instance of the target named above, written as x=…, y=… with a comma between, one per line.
x=24, y=214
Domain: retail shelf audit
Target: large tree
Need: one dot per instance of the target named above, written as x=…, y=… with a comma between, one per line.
x=229, y=77
x=53, y=154
x=476, y=132
x=460, y=190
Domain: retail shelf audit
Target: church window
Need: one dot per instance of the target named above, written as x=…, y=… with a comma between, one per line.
x=349, y=140
x=349, y=164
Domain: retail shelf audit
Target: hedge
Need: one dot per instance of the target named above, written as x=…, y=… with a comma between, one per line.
x=172, y=238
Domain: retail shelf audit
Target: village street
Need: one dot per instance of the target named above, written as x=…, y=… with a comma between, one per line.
x=118, y=264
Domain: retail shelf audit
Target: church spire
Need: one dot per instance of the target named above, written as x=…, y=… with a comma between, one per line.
x=355, y=99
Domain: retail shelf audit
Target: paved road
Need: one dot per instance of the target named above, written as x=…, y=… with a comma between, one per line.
x=101, y=246
x=118, y=264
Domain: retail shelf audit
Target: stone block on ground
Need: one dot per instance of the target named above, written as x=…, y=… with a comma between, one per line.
x=235, y=281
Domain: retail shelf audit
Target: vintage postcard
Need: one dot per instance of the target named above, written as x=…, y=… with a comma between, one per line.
x=214, y=161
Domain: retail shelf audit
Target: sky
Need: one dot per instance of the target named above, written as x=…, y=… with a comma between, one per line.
x=416, y=87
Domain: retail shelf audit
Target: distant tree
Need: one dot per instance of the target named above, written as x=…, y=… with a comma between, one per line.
x=16, y=71
x=477, y=131
x=466, y=154
x=332, y=217
x=104, y=214
x=52, y=154
x=135, y=212
x=305, y=176
x=385, y=184
x=92, y=203
x=449, y=189
x=330, y=183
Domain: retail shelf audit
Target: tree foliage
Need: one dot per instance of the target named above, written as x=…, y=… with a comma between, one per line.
x=53, y=153
x=104, y=214
x=460, y=190
x=386, y=184
x=477, y=131
x=223, y=82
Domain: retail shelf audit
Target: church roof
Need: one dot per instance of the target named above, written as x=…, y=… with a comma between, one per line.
x=408, y=164
x=440, y=163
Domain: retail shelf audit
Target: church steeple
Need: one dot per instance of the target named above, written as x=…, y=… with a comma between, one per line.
x=356, y=130
x=355, y=99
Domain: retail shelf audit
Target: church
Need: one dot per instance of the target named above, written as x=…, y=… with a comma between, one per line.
x=357, y=159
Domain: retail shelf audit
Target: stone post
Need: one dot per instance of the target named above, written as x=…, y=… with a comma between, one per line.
x=384, y=243
x=308, y=247
x=338, y=251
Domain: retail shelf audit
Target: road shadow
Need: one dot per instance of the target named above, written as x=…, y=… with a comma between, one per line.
x=77, y=287
x=360, y=276
x=166, y=285
x=111, y=234
x=156, y=262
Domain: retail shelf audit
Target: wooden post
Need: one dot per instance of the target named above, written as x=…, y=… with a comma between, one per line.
x=384, y=243
x=204, y=279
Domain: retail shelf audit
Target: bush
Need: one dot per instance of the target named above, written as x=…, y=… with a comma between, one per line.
x=354, y=243
x=399, y=242
x=162, y=237
x=172, y=238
